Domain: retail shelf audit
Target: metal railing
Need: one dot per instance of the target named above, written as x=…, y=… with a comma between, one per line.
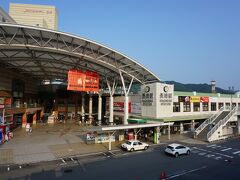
x=208, y=121
x=221, y=123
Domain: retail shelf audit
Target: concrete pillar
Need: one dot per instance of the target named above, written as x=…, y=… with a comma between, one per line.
x=169, y=132
x=24, y=120
x=82, y=107
x=192, y=125
x=76, y=105
x=209, y=106
x=181, y=128
x=238, y=124
x=35, y=118
x=181, y=107
x=99, y=109
x=111, y=110
x=201, y=107
x=217, y=107
x=126, y=104
x=191, y=105
x=156, y=135
x=66, y=108
x=90, y=109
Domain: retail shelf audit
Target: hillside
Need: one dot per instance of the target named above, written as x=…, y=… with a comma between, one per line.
x=203, y=88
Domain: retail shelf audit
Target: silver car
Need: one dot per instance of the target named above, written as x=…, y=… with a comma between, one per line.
x=177, y=149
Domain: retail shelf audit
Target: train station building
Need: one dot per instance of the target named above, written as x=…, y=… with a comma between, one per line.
x=51, y=76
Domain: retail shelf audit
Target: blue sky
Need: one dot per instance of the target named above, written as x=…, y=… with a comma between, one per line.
x=182, y=40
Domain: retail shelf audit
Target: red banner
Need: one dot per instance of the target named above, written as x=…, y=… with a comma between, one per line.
x=119, y=107
x=83, y=81
x=204, y=99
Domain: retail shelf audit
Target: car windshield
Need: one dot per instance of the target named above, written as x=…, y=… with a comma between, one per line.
x=170, y=147
x=128, y=142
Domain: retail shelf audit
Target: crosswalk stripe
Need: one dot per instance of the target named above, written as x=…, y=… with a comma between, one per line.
x=210, y=155
x=216, y=147
x=217, y=158
x=226, y=149
x=211, y=145
x=236, y=152
x=202, y=154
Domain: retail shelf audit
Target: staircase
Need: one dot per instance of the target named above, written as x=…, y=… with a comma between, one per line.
x=204, y=125
x=216, y=132
x=203, y=134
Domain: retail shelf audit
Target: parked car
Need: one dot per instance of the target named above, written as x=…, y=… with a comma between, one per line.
x=177, y=149
x=133, y=145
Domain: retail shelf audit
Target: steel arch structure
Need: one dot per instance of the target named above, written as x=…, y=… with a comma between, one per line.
x=46, y=55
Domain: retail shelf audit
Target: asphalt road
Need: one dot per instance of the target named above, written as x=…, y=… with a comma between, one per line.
x=211, y=161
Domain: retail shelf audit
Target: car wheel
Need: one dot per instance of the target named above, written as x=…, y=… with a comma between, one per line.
x=188, y=152
x=146, y=147
x=131, y=150
x=176, y=155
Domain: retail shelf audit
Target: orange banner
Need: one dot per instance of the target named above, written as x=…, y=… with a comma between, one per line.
x=83, y=81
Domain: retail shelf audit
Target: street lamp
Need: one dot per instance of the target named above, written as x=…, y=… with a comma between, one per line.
x=231, y=90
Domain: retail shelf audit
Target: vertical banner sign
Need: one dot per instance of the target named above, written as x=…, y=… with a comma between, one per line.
x=83, y=81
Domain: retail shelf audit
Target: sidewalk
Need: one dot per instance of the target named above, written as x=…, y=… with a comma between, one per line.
x=48, y=142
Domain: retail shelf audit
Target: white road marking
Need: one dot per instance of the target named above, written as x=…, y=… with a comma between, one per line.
x=214, y=152
x=210, y=155
x=186, y=172
x=217, y=158
x=211, y=145
x=236, y=152
x=216, y=147
x=202, y=154
x=226, y=149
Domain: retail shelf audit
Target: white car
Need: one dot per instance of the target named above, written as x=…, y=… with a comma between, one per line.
x=133, y=145
x=177, y=149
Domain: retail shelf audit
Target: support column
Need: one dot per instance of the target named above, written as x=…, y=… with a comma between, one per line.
x=66, y=109
x=156, y=135
x=35, y=118
x=169, y=132
x=181, y=107
x=201, y=107
x=111, y=110
x=181, y=128
x=193, y=125
x=82, y=107
x=111, y=93
x=126, y=92
x=126, y=103
x=191, y=105
x=76, y=106
x=99, y=109
x=24, y=120
x=238, y=124
x=90, y=109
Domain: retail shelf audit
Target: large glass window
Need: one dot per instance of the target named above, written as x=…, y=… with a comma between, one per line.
x=176, y=107
x=205, y=106
x=196, y=107
x=186, y=107
x=213, y=106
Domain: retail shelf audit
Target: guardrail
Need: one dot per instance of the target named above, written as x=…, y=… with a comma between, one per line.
x=208, y=121
x=222, y=122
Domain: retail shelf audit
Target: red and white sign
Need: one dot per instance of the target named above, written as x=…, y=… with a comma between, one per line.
x=119, y=107
x=83, y=81
x=204, y=99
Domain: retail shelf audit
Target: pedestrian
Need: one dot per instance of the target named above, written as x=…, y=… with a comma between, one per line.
x=146, y=136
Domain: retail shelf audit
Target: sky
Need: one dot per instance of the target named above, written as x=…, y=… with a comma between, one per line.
x=188, y=41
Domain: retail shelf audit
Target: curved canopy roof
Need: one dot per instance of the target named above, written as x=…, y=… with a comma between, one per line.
x=47, y=55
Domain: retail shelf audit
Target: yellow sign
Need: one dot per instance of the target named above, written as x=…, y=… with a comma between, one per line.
x=194, y=99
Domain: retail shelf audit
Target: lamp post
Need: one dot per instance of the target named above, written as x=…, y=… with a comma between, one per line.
x=231, y=90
